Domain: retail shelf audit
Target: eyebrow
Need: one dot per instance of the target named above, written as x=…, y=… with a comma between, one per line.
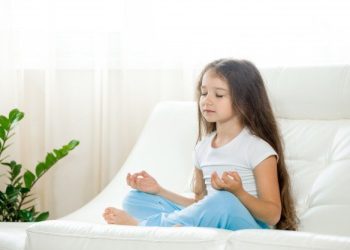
x=203, y=87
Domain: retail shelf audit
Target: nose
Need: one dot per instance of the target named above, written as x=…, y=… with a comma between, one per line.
x=207, y=101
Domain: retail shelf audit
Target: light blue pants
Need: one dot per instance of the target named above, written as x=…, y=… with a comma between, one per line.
x=219, y=210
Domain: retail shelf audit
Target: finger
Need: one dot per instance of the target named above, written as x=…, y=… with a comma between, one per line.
x=128, y=179
x=216, y=180
x=213, y=183
x=219, y=182
x=133, y=178
x=227, y=176
x=105, y=215
x=235, y=175
x=132, y=181
x=136, y=177
x=137, y=174
x=145, y=174
x=214, y=175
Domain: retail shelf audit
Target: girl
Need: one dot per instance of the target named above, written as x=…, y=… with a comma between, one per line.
x=240, y=177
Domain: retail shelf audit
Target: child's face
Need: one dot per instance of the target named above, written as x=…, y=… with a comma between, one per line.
x=215, y=101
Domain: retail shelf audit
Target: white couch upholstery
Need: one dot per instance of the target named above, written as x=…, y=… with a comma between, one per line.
x=312, y=105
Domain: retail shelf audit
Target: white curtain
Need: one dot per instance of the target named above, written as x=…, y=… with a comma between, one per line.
x=93, y=70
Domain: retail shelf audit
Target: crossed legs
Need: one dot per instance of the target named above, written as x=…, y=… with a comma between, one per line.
x=219, y=210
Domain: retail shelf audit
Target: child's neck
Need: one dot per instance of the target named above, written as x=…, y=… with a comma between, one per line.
x=227, y=131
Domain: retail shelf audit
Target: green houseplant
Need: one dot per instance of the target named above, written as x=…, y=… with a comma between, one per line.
x=16, y=200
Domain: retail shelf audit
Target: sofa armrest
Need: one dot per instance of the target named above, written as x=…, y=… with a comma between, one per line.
x=282, y=240
x=59, y=234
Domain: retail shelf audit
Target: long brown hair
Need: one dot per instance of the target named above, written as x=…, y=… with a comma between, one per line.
x=251, y=103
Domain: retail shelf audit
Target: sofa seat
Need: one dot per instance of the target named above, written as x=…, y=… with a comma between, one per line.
x=78, y=235
x=283, y=240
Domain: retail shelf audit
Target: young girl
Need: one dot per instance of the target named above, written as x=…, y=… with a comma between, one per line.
x=240, y=177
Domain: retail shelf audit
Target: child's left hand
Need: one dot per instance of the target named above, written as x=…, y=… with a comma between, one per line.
x=230, y=181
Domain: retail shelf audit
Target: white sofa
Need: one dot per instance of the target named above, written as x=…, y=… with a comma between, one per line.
x=312, y=105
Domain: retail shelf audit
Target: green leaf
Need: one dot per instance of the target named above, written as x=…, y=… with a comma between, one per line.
x=24, y=190
x=13, y=199
x=26, y=216
x=58, y=153
x=15, y=115
x=39, y=169
x=2, y=197
x=29, y=178
x=10, y=190
x=4, y=123
x=16, y=169
x=41, y=217
x=17, y=182
x=2, y=134
x=50, y=159
x=72, y=144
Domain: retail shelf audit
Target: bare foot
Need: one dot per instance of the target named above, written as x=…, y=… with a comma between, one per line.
x=120, y=217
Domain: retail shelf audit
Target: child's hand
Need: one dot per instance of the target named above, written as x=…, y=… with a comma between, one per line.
x=144, y=182
x=216, y=182
x=230, y=181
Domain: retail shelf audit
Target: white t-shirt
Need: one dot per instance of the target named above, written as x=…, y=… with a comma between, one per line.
x=242, y=154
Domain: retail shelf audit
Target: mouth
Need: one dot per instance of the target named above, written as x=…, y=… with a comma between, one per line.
x=208, y=111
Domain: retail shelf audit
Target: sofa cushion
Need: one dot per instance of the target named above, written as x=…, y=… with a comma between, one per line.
x=58, y=235
x=278, y=240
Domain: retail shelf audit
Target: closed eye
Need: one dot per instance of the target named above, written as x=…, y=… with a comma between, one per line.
x=218, y=96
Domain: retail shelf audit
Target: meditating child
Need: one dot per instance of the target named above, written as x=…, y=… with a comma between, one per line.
x=240, y=177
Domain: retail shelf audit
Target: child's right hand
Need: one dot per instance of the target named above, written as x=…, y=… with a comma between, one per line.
x=144, y=182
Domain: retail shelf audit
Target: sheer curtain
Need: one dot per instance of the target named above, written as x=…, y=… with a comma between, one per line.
x=93, y=70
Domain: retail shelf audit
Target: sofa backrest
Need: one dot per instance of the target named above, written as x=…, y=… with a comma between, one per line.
x=313, y=109
x=164, y=149
x=312, y=106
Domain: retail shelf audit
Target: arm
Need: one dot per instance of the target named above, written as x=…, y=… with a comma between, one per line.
x=198, y=189
x=267, y=207
x=176, y=198
x=144, y=182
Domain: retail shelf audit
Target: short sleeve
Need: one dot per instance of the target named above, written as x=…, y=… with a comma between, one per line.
x=195, y=157
x=258, y=151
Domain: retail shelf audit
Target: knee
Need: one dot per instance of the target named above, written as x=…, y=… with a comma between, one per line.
x=130, y=199
x=223, y=197
x=223, y=201
x=134, y=197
